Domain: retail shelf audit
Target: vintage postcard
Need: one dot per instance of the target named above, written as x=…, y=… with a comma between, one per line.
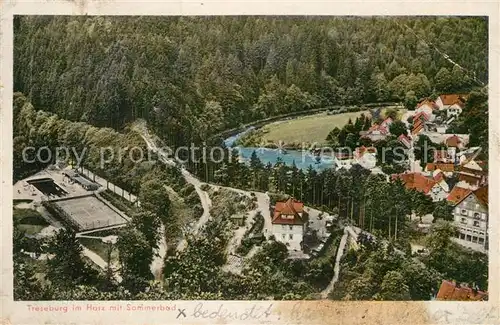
x=249, y=163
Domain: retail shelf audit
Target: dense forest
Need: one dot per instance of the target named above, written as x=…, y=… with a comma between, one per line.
x=191, y=77
x=84, y=79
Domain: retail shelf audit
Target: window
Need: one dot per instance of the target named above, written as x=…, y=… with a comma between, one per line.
x=463, y=220
x=290, y=236
x=477, y=215
x=291, y=227
x=474, y=239
x=468, y=238
x=481, y=240
x=464, y=212
x=283, y=236
x=476, y=223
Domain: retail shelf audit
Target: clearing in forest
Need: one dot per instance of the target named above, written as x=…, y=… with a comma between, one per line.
x=310, y=128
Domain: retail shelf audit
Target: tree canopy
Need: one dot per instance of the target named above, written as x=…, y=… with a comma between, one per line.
x=190, y=78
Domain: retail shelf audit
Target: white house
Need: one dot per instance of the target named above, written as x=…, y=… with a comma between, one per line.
x=471, y=218
x=426, y=107
x=452, y=103
x=288, y=223
x=378, y=132
x=343, y=160
x=440, y=189
x=366, y=157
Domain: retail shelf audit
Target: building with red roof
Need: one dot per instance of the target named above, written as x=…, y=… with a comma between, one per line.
x=450, y=290
x=405, y=140
x=454, y=141
x=435, y=188
x=445, y=155
x=471, y=218
x=378, y=131
x=452, y=103
x=473, y=172
x=444, y=167
x=457, y=194
x=288, y=223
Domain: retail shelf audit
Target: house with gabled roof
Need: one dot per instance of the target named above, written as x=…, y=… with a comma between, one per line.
x=454, y=142
x=450, y=290
x=445, y=155
x=405, y=141
x=427, y=106
x=366, y=156
x=458, y=193
x=288, y=223
x=473, y=172
x=378, y=131
x=436, y=188
x=446, y=168
x=452, y=103
x=471, y=218
x=419, y=121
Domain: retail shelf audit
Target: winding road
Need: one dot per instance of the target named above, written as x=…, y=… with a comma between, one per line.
x=158, y=261
x=262, y=206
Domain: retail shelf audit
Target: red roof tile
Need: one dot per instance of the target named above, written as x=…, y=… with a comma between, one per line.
x=453, y=141
x=417, y=128
x=405, y=140
x=458, y=194
x=422, y=116
x=442, y=155
x=416, y=181
x=450, y=291
x=471, y=179
x=383, y=129
x=360, y=151
x=289, y=208
x=427, y=102
x=387, y=122
x=438, y=177
x=482, y=195
x=441, y=166
x=451, y=99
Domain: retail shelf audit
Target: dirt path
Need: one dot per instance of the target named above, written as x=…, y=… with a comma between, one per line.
x=99, y=261
x=336, y=269
x=159, y=256
x=204, y=198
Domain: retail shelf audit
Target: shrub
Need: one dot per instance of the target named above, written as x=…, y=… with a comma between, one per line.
x=205, y=187
x=192, y=198
x=187, y=190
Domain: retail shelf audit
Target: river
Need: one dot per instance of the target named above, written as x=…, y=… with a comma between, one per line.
x=301, y=159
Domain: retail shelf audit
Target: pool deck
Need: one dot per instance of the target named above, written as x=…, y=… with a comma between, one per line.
x=25, y=191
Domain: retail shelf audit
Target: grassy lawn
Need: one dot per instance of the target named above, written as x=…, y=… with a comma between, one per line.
x=311, y=128
x=29, y=220
x=31, y=229
x=100, y=248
